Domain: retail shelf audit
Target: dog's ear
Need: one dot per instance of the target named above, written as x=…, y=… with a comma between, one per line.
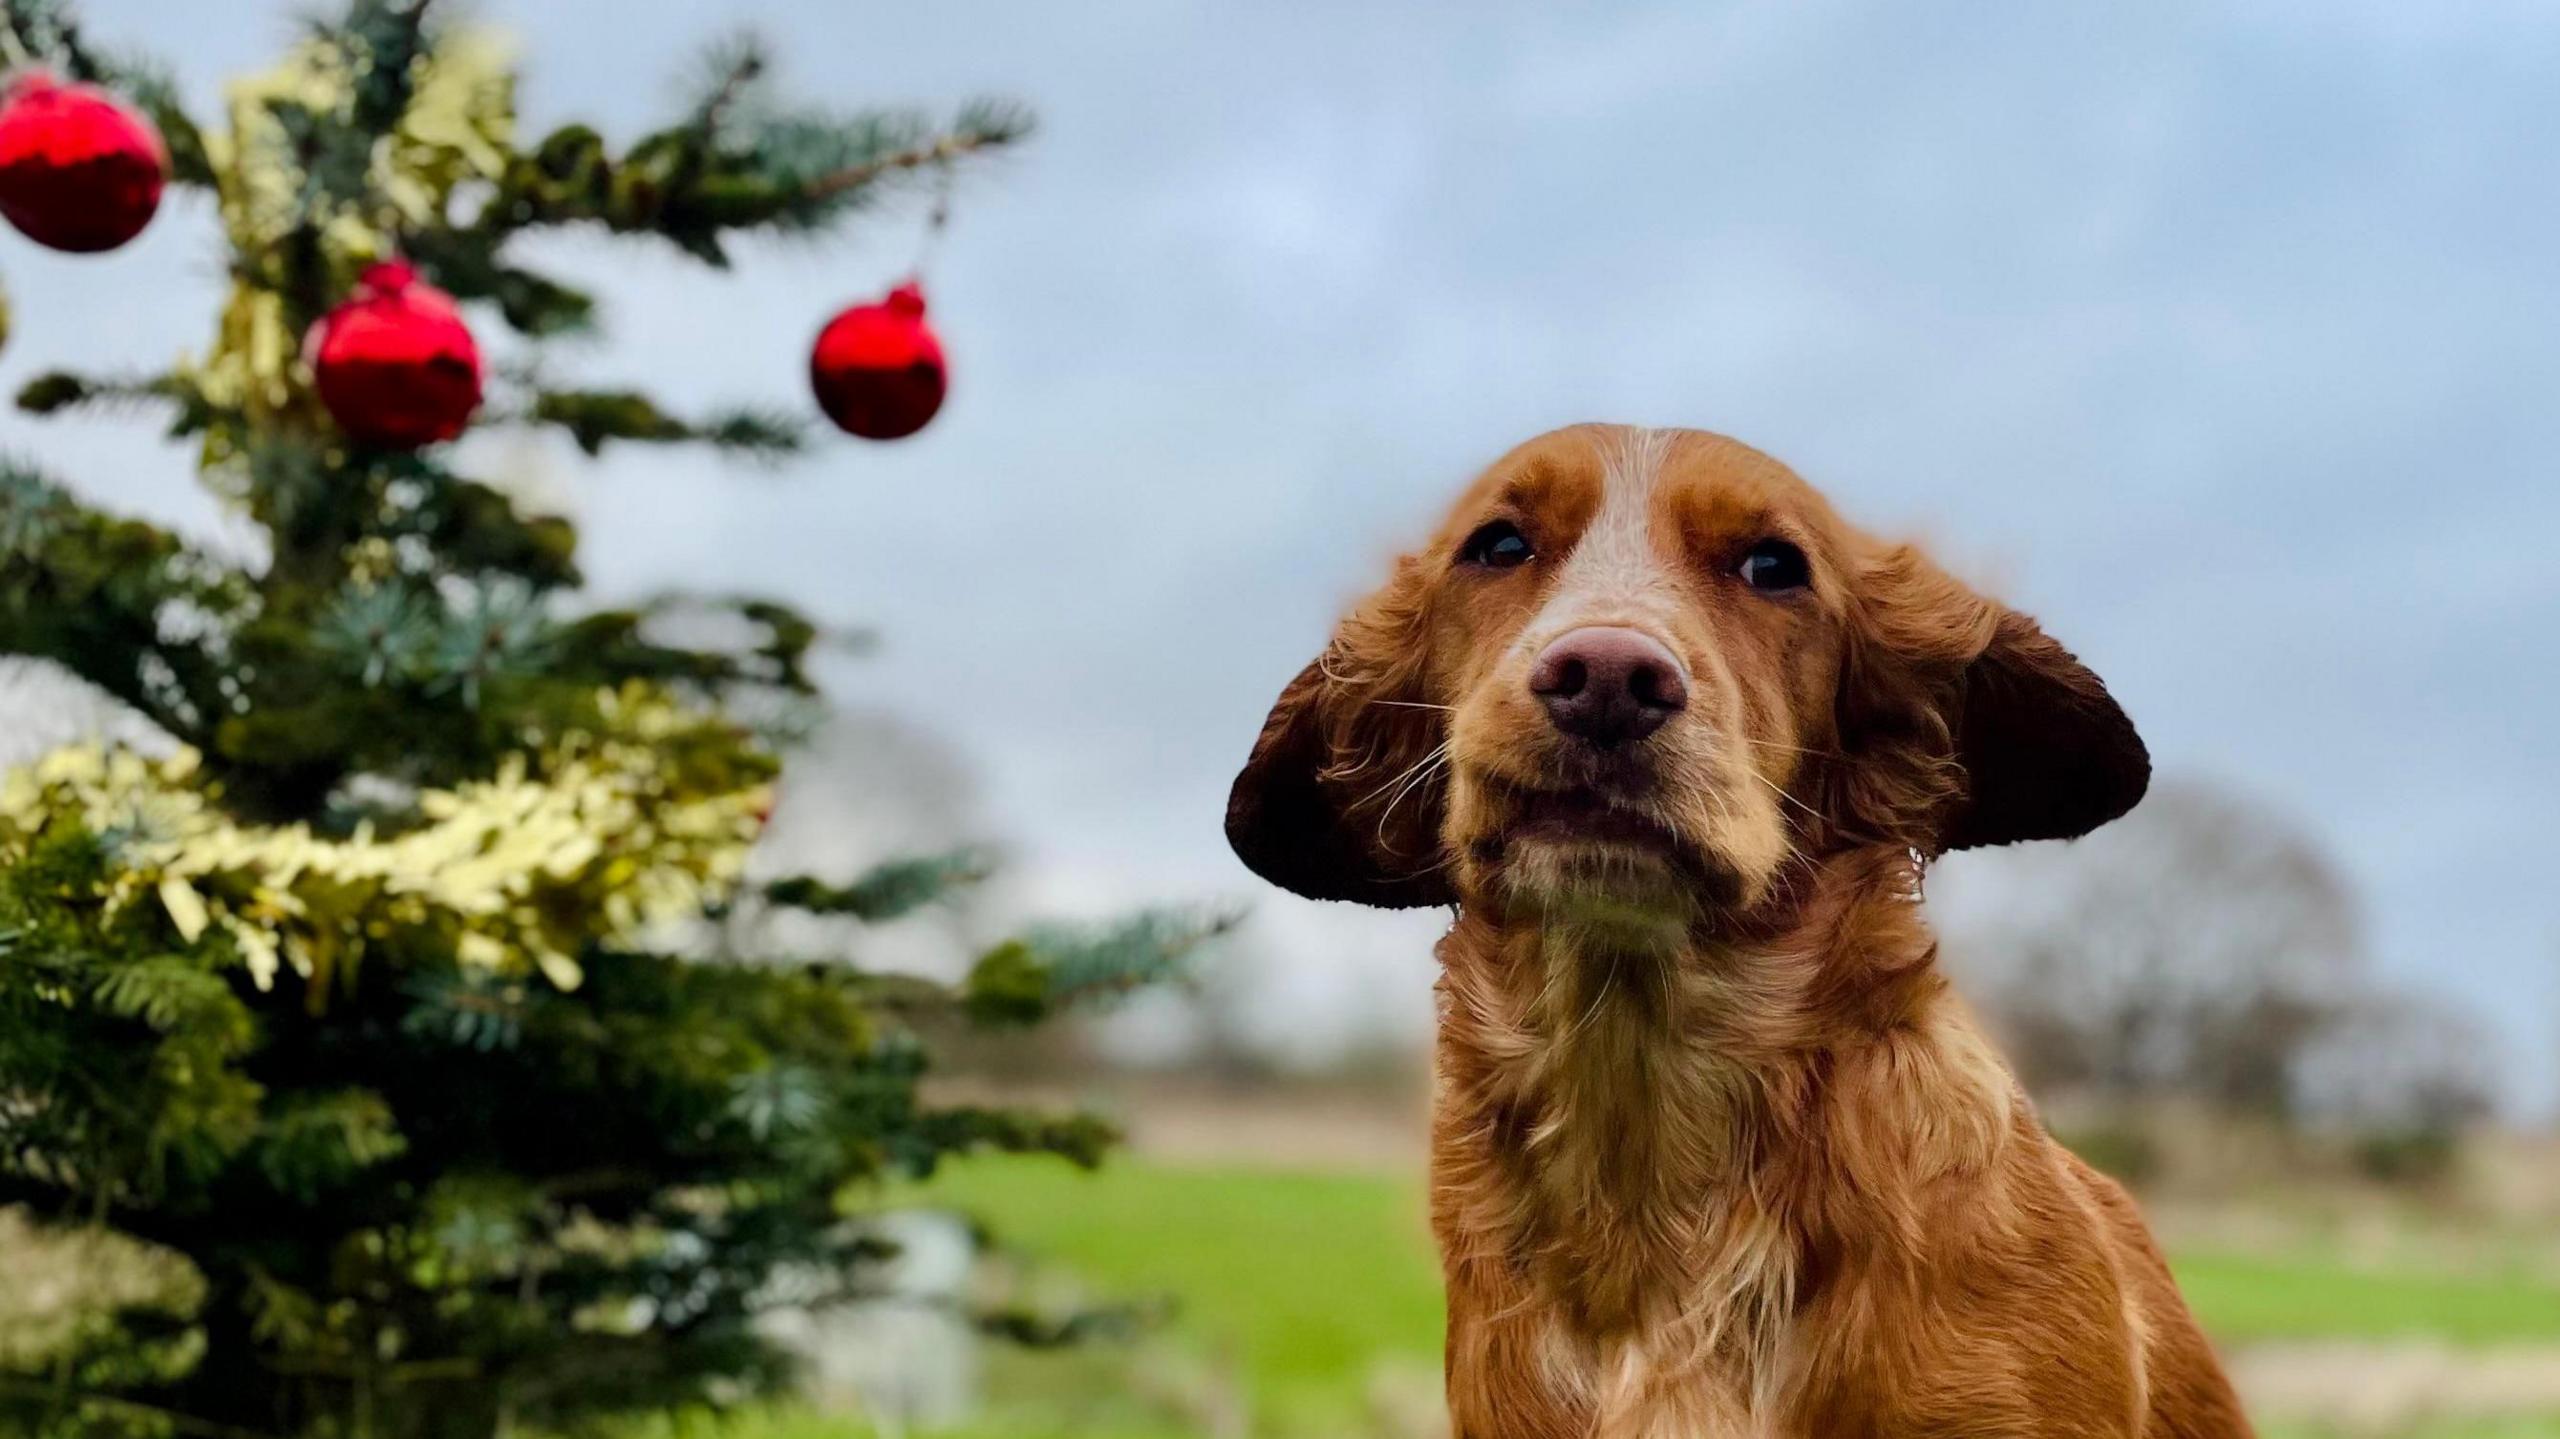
x=1963, y=724
x=2047, y=752
x=1340, y=798
x=1325, y=811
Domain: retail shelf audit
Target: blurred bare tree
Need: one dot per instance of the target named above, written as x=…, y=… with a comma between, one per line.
x=2202, y=949
x=2396, y=1062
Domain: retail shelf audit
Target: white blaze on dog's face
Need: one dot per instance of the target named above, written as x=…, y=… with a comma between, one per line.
x=1638, y=673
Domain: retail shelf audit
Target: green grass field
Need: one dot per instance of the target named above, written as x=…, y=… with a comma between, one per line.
x=1300, y=1296
x=2242, y=1298
x=1304, y=1283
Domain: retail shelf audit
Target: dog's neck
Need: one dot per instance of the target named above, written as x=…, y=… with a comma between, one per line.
x=1640, y=1123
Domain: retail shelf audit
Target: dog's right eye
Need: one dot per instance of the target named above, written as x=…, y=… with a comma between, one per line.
x=1496, y=546
x=1774, y=565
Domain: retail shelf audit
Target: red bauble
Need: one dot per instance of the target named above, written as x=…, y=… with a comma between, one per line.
x=878, y=369
x=396, y=365
x=78, y=170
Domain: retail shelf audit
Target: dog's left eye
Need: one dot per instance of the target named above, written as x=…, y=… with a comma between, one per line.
x=1497, y=546
x=1775, y=565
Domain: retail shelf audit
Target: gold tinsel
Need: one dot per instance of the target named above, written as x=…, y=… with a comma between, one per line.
x=514, y=873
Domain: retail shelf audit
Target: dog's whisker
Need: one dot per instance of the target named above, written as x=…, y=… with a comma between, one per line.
x=1434, y=867
x=1771, y=744
x=1775, y=788
x=1437, y=753
x=1410, y=786
x=1420, y=774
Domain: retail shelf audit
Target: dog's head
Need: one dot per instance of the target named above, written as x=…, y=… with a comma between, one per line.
x=1638, y=674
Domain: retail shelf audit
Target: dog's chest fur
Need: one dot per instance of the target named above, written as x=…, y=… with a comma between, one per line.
x=1692, y=1195
x=1599, y=1135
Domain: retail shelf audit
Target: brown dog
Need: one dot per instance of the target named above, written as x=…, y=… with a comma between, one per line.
x=1715, y=1151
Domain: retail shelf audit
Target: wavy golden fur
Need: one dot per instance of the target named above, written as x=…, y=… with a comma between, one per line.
x=1716, y=1151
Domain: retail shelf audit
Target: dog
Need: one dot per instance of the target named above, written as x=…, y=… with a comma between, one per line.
x=1715, y=1149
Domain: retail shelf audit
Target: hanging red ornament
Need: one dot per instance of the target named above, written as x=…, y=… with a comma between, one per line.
x=878, y=368
x=396, y=365
x=79, y=170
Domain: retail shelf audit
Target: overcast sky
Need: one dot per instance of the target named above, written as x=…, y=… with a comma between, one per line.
x=2223, y=337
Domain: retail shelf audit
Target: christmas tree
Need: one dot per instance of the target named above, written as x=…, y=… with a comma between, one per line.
x=379, y=994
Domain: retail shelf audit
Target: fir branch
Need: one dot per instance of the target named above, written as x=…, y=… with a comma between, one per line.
x=763, y=434
x=732, y=68
x=778, y=1099
x=795, y=170
x=1023, y=981
x=169, y=993
x=500, y=629
x=789, y=636
x=595, y=417
x=34, y=512
x=630, y=642
x=609, y=642
x=468, y=1008
x=311, y=1142
x=384, y=40
x=538, y=306
x=1033, y=1328
x=55, y=391
x=907, y=995
x=45, y=32
x=1080, y=1139
x=467, y=265
x=380, y=634
x=984, y=125
x=475, y=529
x=313, y=501
x=887, y=891
x=90, y=592
x=151, y=87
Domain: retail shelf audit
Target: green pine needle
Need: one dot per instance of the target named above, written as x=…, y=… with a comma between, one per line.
x=594, y=418
x=887, y=891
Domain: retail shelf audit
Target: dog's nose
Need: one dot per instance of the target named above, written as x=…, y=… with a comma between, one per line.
x=1606, y=685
